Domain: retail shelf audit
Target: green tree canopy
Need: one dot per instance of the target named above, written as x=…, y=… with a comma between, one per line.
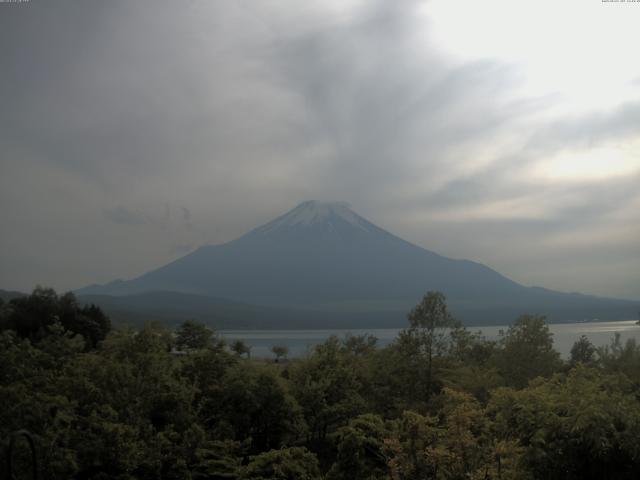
x=526, y=351
x=427, y=336
x=280, y=351
x=31, y=316
x=361, y=451
x=192, y=335
x=295, y=463
x=582, y=351
x=583, y=425
x=241, y=348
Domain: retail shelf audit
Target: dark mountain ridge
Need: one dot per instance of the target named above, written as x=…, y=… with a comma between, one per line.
x=323, y=257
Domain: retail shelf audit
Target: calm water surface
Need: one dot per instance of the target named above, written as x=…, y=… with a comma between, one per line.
x=301, y=342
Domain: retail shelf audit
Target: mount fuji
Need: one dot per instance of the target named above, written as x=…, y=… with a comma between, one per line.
x=322, y=260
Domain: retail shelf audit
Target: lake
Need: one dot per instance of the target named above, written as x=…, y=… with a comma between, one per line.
x=301, y=342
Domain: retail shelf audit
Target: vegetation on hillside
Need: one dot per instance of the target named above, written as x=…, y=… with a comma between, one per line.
x=438, y=403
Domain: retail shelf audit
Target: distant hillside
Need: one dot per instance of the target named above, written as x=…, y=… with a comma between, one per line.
x=7, y=295
x=174, y=307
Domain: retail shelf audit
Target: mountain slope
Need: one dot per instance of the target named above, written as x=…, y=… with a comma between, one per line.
x=324, y=257
x=172, y=308
x=7, y=295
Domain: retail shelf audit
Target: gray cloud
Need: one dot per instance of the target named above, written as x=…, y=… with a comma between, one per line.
x=186, y=218
x=122, y=216
x=201, y=121
x=181, y=249
x=587, y=129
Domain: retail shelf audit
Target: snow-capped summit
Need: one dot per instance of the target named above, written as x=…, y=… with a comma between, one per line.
x=317, y=216
x=313, y=211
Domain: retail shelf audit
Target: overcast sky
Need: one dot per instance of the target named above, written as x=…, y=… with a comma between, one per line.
x=508, y=133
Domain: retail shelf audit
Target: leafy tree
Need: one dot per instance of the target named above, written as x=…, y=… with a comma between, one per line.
x=409, y=365
x=62, y=345
x=31, y=316
x=466, y=448
x=253, y=404
x=583, y=425
x=192, y=335
x=470, y=348
x=477, y=380
x=293, y=463
x=623, y=358
x=88, y=321
x=360, y=345
x=469, y=365
x=241, y=348
x=280, y=351
x=407, y=449
x=4, y=315
x=582, y=351
x=94, y=325
x=428, y=324
x=218, y=459
x=204, y=370
x=526, y=351
x=455, y=444
x=327, y=389
x=361, y=454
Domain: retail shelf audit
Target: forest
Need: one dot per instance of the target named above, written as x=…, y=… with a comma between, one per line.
x=440, y=402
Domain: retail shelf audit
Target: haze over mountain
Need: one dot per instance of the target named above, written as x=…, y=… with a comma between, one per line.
x=324, y=258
